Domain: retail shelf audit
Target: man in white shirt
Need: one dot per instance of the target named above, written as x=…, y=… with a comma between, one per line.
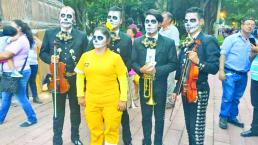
x=168, y=29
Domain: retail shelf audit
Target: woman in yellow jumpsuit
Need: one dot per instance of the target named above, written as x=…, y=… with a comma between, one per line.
x=106, y=89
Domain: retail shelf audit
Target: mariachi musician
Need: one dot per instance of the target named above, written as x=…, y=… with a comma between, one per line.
x=153, y=58
x=202, y=55
x=70, y=44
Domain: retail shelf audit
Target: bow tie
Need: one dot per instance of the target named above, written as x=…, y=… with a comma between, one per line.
x=151, y=39
x=114, y=36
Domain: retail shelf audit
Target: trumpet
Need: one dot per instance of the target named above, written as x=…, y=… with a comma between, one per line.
x=148, y=88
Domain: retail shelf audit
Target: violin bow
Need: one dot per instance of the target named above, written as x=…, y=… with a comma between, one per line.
x=55, y=89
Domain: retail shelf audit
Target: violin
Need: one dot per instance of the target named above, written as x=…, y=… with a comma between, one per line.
x=192, y=73
x=189, y=77
x=58, y=83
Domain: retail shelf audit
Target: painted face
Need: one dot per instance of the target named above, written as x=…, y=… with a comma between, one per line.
x=151, y=24
x=99, y=39
x=114, y=18
x=192, y=22
x=66, y=17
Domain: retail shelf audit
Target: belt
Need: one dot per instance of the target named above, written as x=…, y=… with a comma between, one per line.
x=69, y=74
x=236, y=72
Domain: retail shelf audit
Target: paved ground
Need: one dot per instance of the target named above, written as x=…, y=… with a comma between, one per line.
x=174, y=133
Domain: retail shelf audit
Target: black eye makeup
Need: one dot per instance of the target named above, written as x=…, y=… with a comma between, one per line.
x=99, y=38
x=153, y=21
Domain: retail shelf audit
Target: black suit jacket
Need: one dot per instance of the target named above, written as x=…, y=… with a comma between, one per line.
x=165, y=57
x=78, y=44
x=122, y=47
x=208, y=53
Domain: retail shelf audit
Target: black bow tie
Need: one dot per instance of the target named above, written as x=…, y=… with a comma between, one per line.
x=151, y=39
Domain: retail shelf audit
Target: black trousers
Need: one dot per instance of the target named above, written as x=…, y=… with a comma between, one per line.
x=159, y=114
x=195, y=115
x=254, y=101
x=126, y=135
x=75, y=116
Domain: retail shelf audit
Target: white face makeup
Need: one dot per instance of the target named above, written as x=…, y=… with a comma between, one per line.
x=99, y=39
x=151, y=24
x=114, y=19
x=192, y=22
x=66, y=17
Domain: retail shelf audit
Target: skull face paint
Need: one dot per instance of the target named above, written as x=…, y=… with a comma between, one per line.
x=192, y=22
x=114, y=18
x=66, y=17
x=151, y=24
x=99, y=39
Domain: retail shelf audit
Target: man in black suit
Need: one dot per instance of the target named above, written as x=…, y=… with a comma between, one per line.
x=206, y=58
x=121, y=44
x=71, y=44
x=153, y=56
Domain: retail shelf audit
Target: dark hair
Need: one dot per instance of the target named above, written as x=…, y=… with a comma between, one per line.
x=246, y=18
x=116, y=8
x=26, y=30
x=9, y=31
x=130, y=21
x=105, y=31
x=156, y=14
x=197, y=10
x=134, y=30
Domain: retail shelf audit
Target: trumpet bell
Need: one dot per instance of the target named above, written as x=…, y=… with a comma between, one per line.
x=151, y=102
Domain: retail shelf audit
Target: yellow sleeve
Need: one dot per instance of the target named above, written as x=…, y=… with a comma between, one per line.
x=121, y=72
x=80, y=85
x=80, y=77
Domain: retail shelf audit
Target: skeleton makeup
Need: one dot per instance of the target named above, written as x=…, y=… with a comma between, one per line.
x=114, y=17
x=66, y=17
x=151, y=24
x=192, y=22
x=99, y=39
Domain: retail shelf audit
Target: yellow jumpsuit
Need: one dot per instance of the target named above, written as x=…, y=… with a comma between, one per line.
x=106, y=85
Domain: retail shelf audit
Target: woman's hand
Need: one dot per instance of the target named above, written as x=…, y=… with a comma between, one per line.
x=121, y=105
x=81, y=101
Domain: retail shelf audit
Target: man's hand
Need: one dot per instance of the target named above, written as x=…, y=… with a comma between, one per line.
x=222, y=75
x=121, y=105
x=54, y=59
x=192, y=55
x=81, y=101
x=173, y=97
x=254, y=48
x=148, y=69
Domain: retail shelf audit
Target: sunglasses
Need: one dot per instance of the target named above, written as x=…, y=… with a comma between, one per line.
x=112, y=17
x=99, y=38
x=191, y=20
x=153, y=21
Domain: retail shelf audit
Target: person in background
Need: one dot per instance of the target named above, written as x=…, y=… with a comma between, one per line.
x=33, y=61
x=18, y=51
x=234, y=65
x=103, y=107
x=253, y=131
x=138, y=33
x=168, y=29
x=9, y=35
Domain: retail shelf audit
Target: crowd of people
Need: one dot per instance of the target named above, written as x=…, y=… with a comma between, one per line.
x=98, y=71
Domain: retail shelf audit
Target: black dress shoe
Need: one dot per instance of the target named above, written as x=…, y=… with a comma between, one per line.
x=248, y=133
x=37, y=100
x=236, y=123
x=223, y=124
x=77, y=142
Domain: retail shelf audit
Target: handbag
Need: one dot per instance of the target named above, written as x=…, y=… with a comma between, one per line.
x=10, y=84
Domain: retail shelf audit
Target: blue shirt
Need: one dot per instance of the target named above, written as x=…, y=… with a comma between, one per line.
x=237, y=51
